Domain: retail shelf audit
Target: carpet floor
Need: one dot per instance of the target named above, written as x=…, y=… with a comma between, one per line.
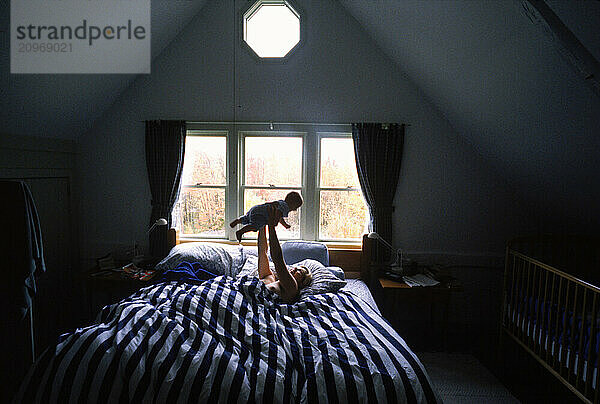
x=461, y=378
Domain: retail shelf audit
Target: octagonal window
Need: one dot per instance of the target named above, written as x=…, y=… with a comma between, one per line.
x=271, y=28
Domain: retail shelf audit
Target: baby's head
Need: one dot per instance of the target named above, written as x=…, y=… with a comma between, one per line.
x=302, y=275
x=294, y=200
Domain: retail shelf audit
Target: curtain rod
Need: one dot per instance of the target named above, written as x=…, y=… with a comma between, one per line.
x=271, y=123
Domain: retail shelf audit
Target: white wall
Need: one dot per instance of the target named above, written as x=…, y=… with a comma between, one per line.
x=448, y=201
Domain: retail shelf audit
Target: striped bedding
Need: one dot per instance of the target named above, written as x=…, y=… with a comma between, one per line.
x=230, y=340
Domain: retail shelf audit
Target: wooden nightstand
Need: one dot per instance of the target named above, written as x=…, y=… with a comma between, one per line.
x=397, y=293
x=107, y=288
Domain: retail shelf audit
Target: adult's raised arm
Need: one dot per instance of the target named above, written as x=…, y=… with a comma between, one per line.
x=286, y=281
x=263, y=260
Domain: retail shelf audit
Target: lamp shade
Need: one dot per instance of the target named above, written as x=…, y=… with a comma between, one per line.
x=375, y=235
x=159, y=222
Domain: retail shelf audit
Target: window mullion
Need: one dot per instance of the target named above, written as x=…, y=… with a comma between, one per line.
x=269, y=187
x=241, y=185
x=339, y=189
x=204, y=186
x=233, y=167
x=310, y=176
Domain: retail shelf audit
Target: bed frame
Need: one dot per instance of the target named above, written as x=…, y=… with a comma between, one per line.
x=563, y=272
x=356, y=263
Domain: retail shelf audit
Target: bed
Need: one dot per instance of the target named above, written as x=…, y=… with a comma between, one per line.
x=551, y=297
x=230, y=339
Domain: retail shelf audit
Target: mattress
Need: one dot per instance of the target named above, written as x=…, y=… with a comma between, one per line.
x=360, y=289
x=560, y=339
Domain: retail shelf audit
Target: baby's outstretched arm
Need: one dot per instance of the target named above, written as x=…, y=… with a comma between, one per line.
x=284, y=224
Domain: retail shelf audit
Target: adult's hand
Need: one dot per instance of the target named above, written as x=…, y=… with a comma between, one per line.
x=274, y=216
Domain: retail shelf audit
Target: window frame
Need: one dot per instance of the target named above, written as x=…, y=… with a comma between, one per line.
x=235, y=176
x=209, y=133
x=319, y=188
x=251, y=9
x=242, y=136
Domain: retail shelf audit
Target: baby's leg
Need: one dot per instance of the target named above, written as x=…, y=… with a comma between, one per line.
x=235, y=222
x=243, y=230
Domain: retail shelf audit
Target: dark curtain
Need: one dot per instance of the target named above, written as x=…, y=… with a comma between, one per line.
x=378, y=151
x=165, y=148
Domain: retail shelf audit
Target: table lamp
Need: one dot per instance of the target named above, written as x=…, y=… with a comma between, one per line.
x=396, y=265
x=157, y=238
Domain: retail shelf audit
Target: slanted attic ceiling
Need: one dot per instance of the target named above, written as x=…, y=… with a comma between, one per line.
x=500, y=81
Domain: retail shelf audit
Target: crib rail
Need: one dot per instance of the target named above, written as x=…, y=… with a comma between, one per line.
x=554, y=316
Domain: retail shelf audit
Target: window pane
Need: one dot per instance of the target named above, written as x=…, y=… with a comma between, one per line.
x=204, y=160
x=257, y=196
x=338, y=167
x=273, y=161
x=343, y=215
x=202, y=211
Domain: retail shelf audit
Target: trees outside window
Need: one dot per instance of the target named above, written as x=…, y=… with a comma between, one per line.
x=200, y=209
x=342, y=209
x=272, y=168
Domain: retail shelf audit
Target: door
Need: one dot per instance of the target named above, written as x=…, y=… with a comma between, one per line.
x=58, y=296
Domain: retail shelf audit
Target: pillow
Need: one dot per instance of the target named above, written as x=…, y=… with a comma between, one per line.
x=250, y=251
x=296, y=251
x=323, y=280
x=338, y=272
x=250, y=267
x=220, y=259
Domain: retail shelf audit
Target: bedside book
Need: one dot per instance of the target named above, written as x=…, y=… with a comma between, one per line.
x=419, y=280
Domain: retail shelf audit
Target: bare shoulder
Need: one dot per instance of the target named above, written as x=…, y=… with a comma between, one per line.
x=269, y=279
x=287, y=295
x=273, y=286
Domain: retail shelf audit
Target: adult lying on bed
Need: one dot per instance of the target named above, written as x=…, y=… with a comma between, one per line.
x=286, y=282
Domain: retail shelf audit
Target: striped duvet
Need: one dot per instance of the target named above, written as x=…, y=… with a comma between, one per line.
x=229, y=340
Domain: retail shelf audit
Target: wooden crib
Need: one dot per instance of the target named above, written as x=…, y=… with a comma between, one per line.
x=551, y=297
